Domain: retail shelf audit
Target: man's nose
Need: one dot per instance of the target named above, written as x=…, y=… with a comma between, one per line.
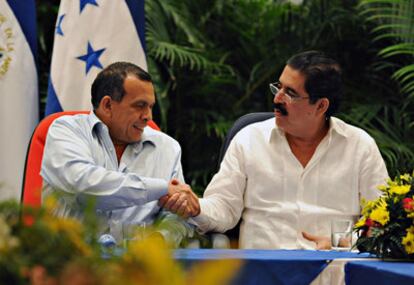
x=278, y=97
x=147, y=114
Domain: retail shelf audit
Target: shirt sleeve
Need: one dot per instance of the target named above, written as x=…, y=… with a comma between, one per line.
x=68, y=165
x=178, y=169
x=222, y=203
x=373, y=172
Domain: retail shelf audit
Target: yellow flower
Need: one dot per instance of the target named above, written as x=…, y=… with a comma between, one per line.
x=361, y=222
x=406, y=177
x=391, y=182
x=72, y=228
x=382, y=188
x=153, y=254
x=408, y=240
x=380, y=213
x=367, y=206
x=50, y=204
x=400, y=189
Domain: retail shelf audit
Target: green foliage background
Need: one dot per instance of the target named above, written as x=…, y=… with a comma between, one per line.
x=212, y=61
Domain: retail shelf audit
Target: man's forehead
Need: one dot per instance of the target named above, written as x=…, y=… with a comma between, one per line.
x=292, y=76
x=140, y=89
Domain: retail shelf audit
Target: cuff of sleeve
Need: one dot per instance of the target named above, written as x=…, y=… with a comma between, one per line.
x=156, y=188
x=202, y=221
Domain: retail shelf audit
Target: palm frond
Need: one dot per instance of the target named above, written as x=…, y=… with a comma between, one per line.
x=398, y=49
x=176, y=54
x=392, y=129
x=171, y=38
x=395, y=20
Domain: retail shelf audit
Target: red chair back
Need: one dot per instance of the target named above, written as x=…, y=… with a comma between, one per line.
x=32, y=181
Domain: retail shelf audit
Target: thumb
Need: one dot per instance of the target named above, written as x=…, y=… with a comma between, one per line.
x=309, y=237
x=163, y=200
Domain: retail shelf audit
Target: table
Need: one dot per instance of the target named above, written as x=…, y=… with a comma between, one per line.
x=270, y=266
x=379, y=272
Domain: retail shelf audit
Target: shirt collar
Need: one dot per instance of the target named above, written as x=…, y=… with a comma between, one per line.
x=96, y=125
x=149, y=135
x=94, y=121
x=274, y=131
x=338, y=126
x=335, y=125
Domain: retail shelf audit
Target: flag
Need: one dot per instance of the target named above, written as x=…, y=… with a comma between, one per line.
x=19, y=105
x=89, y=35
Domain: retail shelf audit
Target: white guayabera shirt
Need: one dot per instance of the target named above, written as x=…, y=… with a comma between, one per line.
x=261, y=181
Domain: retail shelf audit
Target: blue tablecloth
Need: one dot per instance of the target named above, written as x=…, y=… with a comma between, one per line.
x=269, y=266
x=379, y=272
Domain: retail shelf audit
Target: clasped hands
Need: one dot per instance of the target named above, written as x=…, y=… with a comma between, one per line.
x=180, y=200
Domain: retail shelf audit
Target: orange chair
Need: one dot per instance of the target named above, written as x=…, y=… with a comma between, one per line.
x=32, y=181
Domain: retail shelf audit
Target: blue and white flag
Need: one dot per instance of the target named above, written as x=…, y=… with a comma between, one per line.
x=89, y=35
x=19, y=105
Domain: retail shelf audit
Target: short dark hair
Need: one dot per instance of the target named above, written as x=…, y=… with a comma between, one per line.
x=110, y=81
x=323, y=77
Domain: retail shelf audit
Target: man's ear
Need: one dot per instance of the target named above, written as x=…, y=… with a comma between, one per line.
x=106, y=105
x=323, y=105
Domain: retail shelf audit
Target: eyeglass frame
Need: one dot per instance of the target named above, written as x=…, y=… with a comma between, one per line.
x=275, y=88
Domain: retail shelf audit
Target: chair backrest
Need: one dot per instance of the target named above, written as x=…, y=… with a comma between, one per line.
x=32, y=181
x=239, y=124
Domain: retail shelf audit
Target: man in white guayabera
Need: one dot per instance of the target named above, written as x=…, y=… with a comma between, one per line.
x=288, y=177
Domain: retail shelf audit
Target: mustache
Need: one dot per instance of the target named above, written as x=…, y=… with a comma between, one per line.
x=281, y=108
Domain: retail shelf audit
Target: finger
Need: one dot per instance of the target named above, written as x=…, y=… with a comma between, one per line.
x=188, y=189
x=323, y=244
x=196, y=210
x=171, y=201
x=193, y=204
x=163, y=200
x=183, y=210
x=344, y=242
x=309, y=237
x=180, y=201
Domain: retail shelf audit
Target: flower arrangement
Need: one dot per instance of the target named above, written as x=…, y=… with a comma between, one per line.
x=39, y=248
x=386, y=227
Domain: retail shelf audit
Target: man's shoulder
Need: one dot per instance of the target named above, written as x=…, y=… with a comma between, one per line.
x=160, y=138
x=79, y=126
x=256, y=131
x=78, y=120
x=264, y=127
x=350, y=131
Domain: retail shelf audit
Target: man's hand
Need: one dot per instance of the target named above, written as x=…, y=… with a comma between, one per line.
x=181, y=200
x=320, y=241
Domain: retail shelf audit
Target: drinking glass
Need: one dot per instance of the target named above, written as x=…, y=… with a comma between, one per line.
x=341, y=235
x=132, y=232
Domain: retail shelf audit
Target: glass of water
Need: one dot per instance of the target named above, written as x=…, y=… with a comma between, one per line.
x=132, y=232
x=341, y=234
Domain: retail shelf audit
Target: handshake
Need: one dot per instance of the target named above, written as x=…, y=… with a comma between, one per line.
x=180, y=200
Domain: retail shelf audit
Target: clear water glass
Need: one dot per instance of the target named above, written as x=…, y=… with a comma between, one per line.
x=133, y=232
x=341, y=235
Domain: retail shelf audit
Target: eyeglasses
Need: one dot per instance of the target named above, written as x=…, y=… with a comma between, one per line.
x=290, y=95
